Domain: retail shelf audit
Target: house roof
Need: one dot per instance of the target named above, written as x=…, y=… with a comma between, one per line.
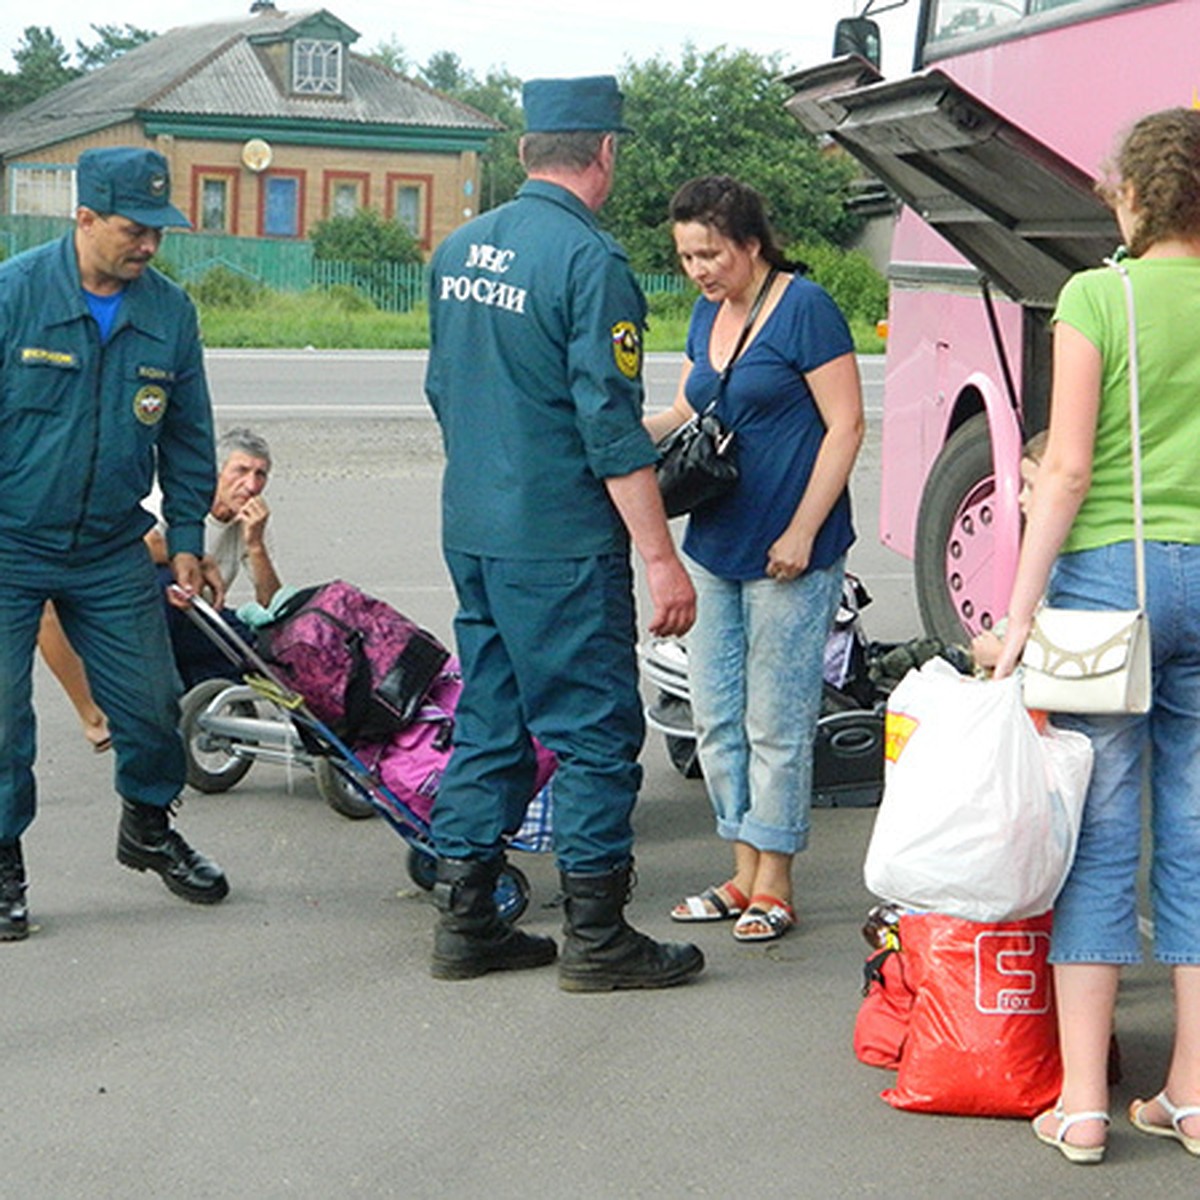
x=221, y=70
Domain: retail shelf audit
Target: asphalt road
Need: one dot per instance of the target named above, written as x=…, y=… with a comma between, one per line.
x=290, y=1043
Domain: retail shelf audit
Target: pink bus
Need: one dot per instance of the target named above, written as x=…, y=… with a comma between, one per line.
x=993, y=144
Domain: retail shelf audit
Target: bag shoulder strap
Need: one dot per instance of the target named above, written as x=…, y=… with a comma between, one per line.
x=1135, y=434
x=759, y=300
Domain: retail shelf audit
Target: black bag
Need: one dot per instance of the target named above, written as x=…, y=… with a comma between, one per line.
x=697, y=463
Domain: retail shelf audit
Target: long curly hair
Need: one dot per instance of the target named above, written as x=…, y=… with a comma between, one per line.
x=1160, y=160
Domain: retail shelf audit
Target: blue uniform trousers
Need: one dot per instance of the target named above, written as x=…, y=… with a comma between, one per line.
x=547, y=647
x=111, y=609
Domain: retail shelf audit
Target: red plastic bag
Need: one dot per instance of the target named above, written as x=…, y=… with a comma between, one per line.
x=881, y=1027
x=982, y=1038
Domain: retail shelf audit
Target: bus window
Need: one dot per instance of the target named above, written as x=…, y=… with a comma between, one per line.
x=956, y=18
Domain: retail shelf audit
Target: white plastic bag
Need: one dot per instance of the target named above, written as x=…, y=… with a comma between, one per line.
x=980, y=812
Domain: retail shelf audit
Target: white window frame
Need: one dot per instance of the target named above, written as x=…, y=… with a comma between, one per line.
x=317, y=67
x=53, y=185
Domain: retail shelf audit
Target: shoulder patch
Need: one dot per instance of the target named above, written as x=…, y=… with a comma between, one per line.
x=627, y=348
x=149, y=404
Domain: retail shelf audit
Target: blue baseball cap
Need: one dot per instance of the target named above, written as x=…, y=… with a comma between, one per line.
x=132, y=182
x=592, y=103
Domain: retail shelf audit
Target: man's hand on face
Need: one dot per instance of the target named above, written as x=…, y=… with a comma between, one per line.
x=253, y=517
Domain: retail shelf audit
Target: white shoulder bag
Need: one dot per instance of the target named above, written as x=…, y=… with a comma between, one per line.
x=1084, y=661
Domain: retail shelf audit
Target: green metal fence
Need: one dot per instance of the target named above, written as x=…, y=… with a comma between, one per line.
x=283, y=266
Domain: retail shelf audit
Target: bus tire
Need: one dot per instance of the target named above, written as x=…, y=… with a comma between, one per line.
x=955, y=544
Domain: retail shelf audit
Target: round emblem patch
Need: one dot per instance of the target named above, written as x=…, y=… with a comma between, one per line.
x=627, y=348
x=149, y=404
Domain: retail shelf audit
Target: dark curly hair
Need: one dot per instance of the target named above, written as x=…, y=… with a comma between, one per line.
x=734, y=210
x=1160, y=159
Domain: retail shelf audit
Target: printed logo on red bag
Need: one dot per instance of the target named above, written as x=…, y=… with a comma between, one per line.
x=1011, y=972
x=897, y=729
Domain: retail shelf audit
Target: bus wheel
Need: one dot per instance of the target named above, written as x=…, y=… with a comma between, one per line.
x=956, y=538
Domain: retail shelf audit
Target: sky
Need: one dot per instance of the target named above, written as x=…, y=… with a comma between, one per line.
x=530, y=38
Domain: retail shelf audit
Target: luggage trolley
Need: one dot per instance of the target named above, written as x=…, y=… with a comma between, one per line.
x=848, y=751
x=228, y=725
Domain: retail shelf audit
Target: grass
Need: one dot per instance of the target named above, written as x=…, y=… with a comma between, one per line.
x=278, y=320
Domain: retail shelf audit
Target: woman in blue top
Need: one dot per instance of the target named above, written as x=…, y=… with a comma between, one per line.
x=767, y=559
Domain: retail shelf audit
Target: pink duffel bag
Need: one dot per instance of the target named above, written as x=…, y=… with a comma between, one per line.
x=412, y=763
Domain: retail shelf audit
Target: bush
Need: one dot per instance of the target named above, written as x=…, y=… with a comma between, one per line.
x=223, y=287
x=364, y=238
x=859, y=290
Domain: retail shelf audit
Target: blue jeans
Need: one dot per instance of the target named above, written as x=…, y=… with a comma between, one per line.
x=755, y=664
x=547, y=648
x=112, y=612
x=1095, y=917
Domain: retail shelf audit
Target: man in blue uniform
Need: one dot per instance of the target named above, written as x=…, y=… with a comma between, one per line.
x=101, y=387
x=535, y=376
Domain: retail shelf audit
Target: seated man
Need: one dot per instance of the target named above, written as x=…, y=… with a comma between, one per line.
x=235, y=535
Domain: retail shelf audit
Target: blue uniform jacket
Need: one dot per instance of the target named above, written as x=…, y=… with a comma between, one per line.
x=535, y=376
x=85, y=427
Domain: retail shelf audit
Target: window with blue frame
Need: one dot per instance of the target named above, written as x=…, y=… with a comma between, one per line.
x=281, y=206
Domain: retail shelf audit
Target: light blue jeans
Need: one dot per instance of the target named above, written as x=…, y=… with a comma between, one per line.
x=755, y=664
x=1095, y=917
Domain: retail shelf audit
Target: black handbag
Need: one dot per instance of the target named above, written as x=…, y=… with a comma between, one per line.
x=697, y=462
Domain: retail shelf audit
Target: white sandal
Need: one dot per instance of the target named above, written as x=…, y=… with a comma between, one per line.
x=1175, y=1115
x=1072, y=1153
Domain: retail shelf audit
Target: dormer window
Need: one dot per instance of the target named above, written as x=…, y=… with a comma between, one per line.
x=317, y=67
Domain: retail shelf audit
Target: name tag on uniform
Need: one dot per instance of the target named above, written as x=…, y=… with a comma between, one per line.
x=38, y=356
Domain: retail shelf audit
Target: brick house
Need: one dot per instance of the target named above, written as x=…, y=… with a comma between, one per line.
x=270, y=124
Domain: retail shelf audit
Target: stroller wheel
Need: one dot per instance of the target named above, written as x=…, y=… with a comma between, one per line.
x=213, y=765
x=512, y=888
x=340, y=792
x=422, y=868
x=512, y=894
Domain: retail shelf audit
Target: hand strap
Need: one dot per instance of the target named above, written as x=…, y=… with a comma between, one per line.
x=1135, y=435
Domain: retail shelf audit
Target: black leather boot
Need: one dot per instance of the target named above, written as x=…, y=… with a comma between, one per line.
x=14, y=915
x=146, y=842
x=471, y=939
x=602, y=952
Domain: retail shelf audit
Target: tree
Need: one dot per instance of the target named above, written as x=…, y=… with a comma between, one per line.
x=41, y=67
x=42, y=64
x=114, y=41
x=445, y=72
x=720, y=112
x=390, y=54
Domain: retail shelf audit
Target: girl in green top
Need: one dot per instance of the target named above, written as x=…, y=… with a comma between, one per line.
x=1078, y=549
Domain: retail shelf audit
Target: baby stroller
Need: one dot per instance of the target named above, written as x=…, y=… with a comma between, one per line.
x=848, y=753
x=228, y=725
